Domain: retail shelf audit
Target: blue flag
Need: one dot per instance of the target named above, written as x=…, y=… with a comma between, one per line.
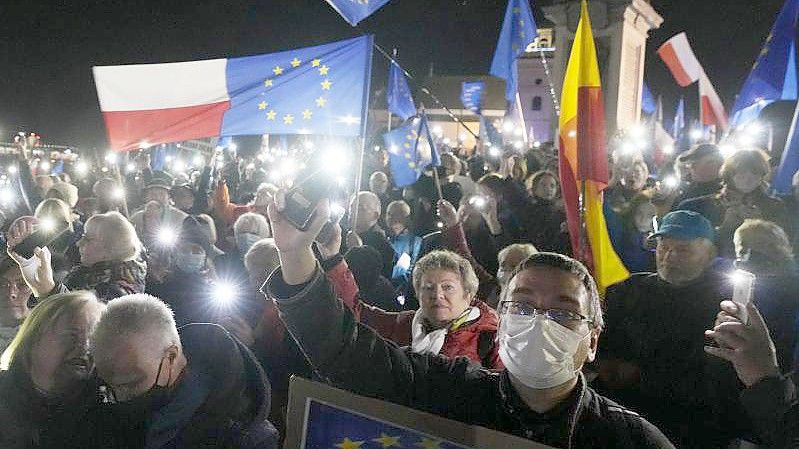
x=399, y=97
x=789, y=164
x=333, y=427
x=774, y=68
x=648, y=103
x=679, y=120
x=353, y=11
x=489, y=133
x=312, y=90
x=411, y=149
x=518, y=31
x=472, y=95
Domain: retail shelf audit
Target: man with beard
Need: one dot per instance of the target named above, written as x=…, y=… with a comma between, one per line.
x=651, y=357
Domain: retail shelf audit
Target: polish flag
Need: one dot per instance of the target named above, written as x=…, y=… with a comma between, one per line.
x=681, y=60
x=712, y=110
x=179, y=101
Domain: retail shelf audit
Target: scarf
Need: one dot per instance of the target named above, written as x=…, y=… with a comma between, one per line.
x=430, y=341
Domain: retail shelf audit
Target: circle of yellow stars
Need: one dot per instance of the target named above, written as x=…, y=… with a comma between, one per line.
x=307, y=114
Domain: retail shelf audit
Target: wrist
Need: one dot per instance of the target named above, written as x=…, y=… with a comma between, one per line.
x=297, y=266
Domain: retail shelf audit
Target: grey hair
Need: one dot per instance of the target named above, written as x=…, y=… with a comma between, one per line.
x=527, y=250
x=446, y=260
x=136, y=314
x=572, y=266
x=252, y=220
x=262, y=255
x=370, y=198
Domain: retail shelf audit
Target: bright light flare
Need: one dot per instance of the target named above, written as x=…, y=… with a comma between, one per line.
x=668, y=149
x=507, y=126
x=224, y=293
x=111, y=157
x=727, y=150
x=167, y=236
x=12, y=169
x=197, y=160
x=118, y=193
x=179, y=166
x=131, y=167
x=335, y=160
x=45, y=165
x=81, y=168
x=6, y=195
x=47, y=224
x=494, y=151
x=478, y=202
x=697, y=134
x=671, y=182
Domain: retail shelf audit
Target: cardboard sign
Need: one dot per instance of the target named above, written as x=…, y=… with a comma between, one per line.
x=323, y=417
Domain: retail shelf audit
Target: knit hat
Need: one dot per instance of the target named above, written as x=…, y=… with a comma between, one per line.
x=193, y=231
x=67, y=192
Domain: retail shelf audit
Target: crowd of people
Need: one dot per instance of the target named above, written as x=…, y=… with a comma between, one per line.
x=144, y=308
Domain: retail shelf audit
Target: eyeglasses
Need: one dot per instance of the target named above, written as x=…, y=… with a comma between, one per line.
x=19, y=285
x=565, y=318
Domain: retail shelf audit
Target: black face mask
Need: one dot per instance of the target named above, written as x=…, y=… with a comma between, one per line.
x=155, y=398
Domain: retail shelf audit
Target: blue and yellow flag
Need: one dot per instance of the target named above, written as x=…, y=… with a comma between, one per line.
x=400, y=102
x=773, y=76
x=353, y=11
x=312, y=90
x=518, y=31
x=411, y=149
x=337, y=428
x=472, y=95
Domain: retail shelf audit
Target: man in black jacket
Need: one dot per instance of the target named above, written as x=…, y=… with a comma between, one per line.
x=652, y=355
x=194, y=388
x=550, y=323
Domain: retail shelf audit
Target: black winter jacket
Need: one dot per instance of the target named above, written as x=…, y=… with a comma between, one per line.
x=352, y=356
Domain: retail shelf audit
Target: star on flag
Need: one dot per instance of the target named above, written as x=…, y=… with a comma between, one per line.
x=277, y=71
x=295, y=62
x=323, y=70
x=387, y=441
x=349, y=444
x=321, y=102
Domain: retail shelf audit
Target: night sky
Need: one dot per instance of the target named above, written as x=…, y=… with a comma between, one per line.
x=49, y=47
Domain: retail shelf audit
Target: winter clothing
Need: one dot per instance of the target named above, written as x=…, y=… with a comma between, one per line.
x=466, y=340
x=221, y=401
x=30, y=420
x=109, y=280
x=659, y=328
x=773, y=405
x=352, y=356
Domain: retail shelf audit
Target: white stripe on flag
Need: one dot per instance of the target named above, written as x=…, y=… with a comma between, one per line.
x=706, y=90
x=686, y=57
x=140, y=87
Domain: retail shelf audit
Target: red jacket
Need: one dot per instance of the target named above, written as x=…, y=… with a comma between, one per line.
x=396, y=326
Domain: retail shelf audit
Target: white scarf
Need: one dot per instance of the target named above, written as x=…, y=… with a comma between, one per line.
x=432, y=342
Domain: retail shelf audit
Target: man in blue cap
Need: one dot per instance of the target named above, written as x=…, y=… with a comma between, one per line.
x=651, y=356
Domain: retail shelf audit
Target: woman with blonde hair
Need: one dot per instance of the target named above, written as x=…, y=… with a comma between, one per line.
x=46, y=382
x=111, y=263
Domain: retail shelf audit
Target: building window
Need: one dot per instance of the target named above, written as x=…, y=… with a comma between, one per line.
x=536, y=103
x=538, y=81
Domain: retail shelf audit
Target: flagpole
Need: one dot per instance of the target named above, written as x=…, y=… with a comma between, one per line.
x=364, y=119
x=388, y=125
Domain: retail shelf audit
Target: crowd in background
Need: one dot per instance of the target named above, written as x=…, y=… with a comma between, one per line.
x=168, y=308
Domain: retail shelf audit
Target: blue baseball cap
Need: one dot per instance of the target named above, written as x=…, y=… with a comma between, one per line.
x=685, y=225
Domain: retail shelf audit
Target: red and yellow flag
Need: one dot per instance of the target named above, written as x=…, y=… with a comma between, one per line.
x=583, y=158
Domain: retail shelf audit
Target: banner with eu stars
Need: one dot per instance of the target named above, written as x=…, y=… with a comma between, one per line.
x=336, y=428
x=313, y=90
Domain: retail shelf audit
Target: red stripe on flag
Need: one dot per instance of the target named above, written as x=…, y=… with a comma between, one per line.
x=128, y=130
x=592, y=160
x=709, y=116
x=669, y=56
x=571, y=203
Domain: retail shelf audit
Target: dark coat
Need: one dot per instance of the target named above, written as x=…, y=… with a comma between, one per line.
x=773, y=404
x=222, y=401
x=659, y=328
x=352, y=356
x=29, y=420
x=109, y=280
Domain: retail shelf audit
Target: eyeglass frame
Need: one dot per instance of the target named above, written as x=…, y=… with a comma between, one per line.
x=577, y=317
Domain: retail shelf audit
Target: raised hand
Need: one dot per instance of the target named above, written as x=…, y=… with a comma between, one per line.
x=329, y=240
x=448, y=214
x=38, y=270
x=748, y=346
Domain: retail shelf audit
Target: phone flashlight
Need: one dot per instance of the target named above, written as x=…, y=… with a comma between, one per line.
x=743, y=290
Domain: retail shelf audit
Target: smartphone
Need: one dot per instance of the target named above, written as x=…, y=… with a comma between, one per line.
x=40, y=238
x=312, y=185
x=478, y=201
x=743, y=292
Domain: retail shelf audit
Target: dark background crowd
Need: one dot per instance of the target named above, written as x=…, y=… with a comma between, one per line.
x=159, y=305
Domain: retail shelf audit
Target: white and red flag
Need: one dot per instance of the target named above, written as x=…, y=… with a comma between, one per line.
x=686, y=69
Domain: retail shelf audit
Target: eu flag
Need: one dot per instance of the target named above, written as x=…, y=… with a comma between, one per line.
x=774, y=69
x=518, y=31
x=472, y=95
x=411, y=149
x=338, y=428
x=353, y=11
x=312, y=90
x=789, y=164
x=489, y=133
x=399, y=97
x=648, y=103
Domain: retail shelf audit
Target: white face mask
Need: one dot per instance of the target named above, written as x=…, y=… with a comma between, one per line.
x=538, y=351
